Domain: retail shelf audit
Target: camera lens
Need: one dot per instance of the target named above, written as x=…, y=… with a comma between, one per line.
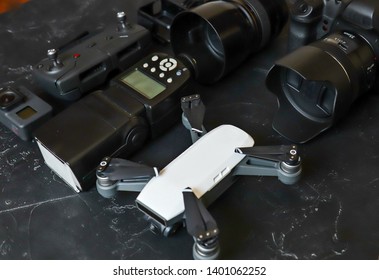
x=214, y=38
x=317, y=84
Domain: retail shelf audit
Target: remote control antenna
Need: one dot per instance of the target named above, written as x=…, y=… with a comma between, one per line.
x=52, y=54
x=122, y=21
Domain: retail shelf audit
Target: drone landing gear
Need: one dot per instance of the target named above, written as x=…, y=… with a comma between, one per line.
x=209, y=250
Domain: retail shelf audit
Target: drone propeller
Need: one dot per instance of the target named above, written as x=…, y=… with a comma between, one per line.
x=193, y=115
x=285, y=153
x=281, y=161
x=120, y=174
x=202, y=226
x=121, y=169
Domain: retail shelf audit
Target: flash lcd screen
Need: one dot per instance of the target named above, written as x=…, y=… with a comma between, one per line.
x=143, y=84
x=26, y=113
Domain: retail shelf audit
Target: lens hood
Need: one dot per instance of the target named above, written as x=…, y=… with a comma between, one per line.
x=310, y=100
x=211, y=39
x=214, y=38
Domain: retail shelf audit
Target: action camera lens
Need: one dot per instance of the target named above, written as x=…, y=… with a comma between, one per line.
x=214, y=38
x=8, y=98
x=316, y=84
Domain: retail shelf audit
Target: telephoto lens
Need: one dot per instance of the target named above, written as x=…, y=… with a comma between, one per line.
x=214, y=38
x=317, y=84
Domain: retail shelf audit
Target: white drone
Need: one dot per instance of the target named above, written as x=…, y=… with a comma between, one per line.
x=181, y=191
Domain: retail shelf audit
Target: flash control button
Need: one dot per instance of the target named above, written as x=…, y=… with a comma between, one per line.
x=174, y=63
x=163, y=61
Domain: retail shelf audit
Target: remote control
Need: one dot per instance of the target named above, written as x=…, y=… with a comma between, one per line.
x=71, y=73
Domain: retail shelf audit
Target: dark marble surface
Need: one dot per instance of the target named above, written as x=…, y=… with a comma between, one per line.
x=332, y=213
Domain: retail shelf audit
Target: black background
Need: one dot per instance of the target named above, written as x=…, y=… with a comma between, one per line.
x=332, y=213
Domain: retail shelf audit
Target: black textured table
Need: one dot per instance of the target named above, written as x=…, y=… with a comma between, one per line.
x=332, y=213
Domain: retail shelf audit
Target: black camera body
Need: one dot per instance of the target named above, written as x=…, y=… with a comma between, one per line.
x=70, y=73
x=22, y=111
x=311, y=20
x=317, y=83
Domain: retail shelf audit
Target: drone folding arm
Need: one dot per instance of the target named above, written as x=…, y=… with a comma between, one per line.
x=193, y=116
x=115, y=174
x=201, y=225
x=282, y=161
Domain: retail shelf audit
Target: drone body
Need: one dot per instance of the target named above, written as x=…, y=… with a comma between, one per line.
x=196, y=178
x=201, y=167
